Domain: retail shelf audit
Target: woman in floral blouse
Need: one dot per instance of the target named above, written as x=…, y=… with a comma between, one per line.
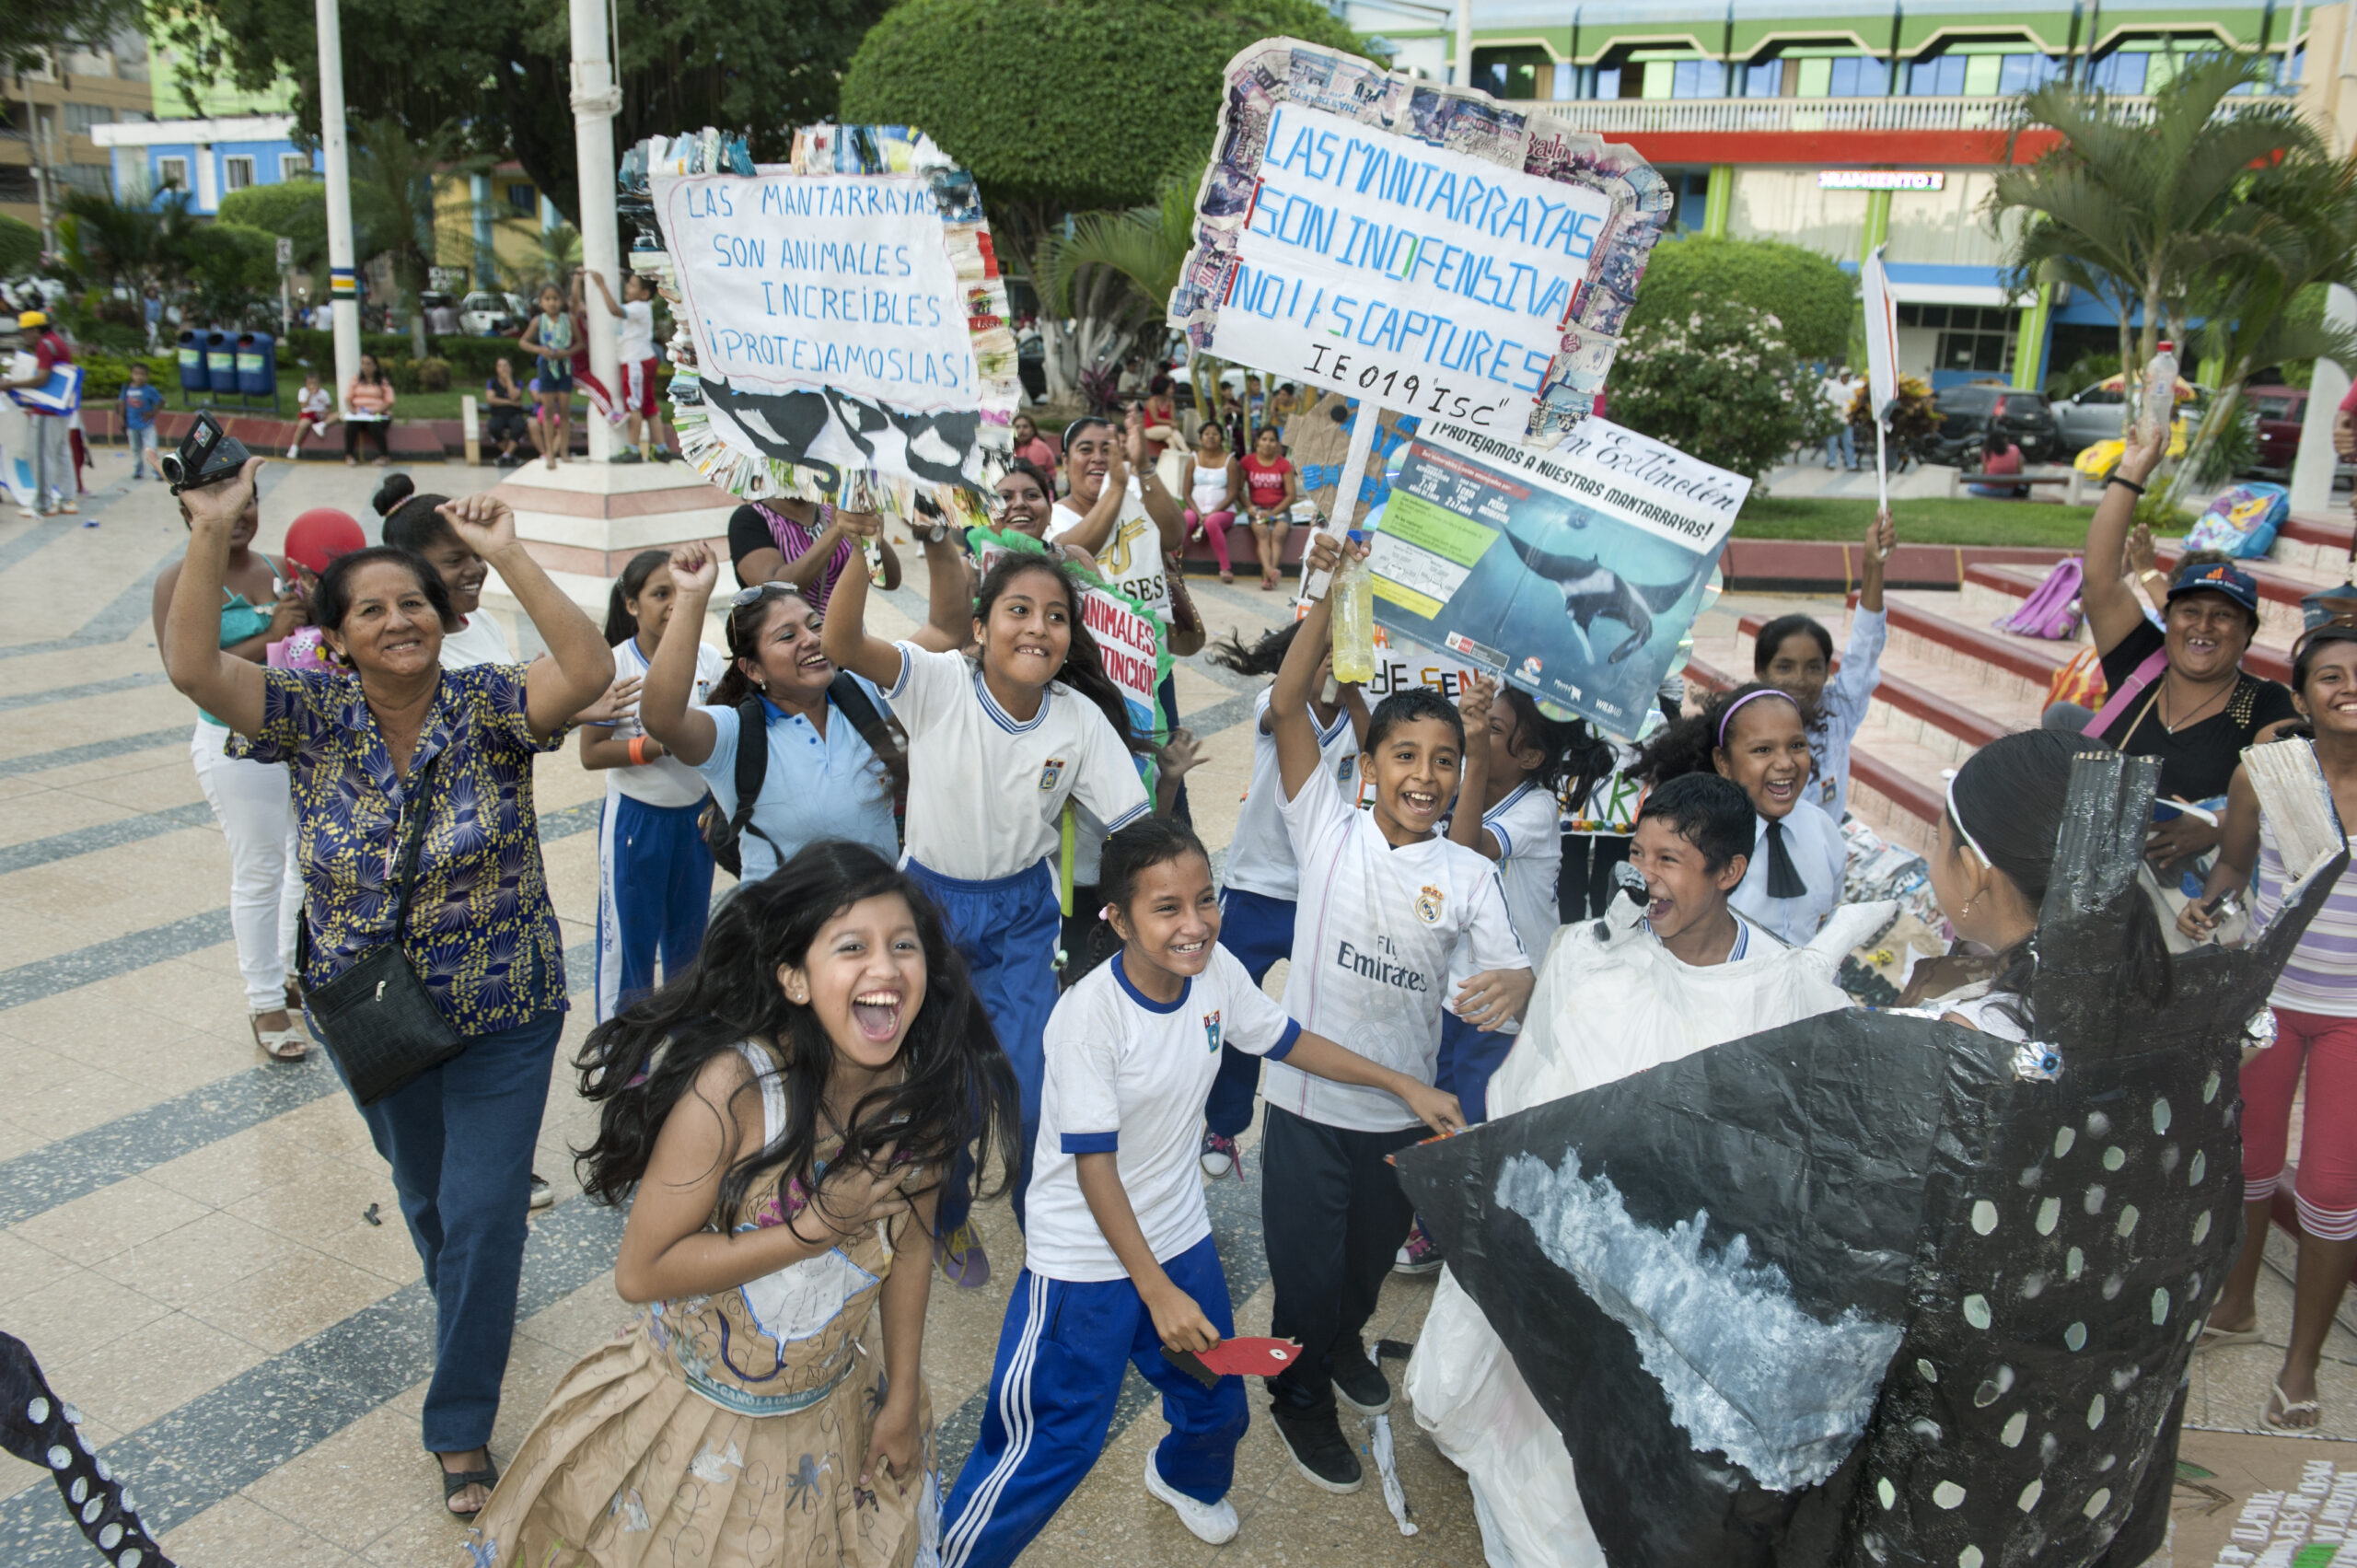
x=481, y=932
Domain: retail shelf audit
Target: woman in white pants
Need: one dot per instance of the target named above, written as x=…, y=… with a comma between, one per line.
x=250, y=800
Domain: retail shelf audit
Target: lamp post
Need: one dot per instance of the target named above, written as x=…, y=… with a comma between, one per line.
x=343, y=281
x=595, y=100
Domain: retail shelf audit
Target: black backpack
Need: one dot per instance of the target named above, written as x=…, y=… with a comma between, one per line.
x=721, y=834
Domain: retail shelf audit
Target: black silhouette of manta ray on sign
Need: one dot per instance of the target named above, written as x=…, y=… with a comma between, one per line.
x=1594, y=591
x=785, y=426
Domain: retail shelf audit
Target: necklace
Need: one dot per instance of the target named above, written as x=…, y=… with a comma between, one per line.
x=2223, y=692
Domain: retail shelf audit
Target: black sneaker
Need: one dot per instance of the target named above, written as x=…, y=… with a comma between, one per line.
x=1362, y=1384
x=543, y=1195
x=1313, y=1438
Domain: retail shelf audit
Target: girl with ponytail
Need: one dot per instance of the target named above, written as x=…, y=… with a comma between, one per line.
x=779, y=1119
x=998, y=741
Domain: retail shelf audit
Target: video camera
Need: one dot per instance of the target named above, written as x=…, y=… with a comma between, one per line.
x=207, y=455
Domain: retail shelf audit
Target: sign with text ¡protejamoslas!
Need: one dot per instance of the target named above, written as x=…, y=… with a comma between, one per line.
x=1573, y=573
x=1426, y=247
x=849, y=320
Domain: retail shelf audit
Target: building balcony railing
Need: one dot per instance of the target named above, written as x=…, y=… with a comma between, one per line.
x=1631, y=116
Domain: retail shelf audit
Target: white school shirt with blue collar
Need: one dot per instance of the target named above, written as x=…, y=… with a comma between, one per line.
x=1843, y=710
x=1260, y=856
x=1818, y=855
x=986, y=790
x=818, y=786
x=1128, y=1076
x=1527, y=825
x=664, y=781
x=1375, y=934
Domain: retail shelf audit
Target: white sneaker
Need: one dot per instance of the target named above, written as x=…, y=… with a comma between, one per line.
x=1211, y=1522
x=295, y=451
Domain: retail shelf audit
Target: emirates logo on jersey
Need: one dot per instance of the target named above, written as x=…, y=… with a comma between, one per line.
x=1429, y=903
x=1050, y=773
x=1211, y=1029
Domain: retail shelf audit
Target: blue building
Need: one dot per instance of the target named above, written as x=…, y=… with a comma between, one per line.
x=207, y=159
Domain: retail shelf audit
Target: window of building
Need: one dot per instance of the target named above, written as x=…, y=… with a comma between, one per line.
x=236, y=172
x=1524, y=71
x=1972, y=337
x=1816, y=71
x=80, y=117
x=17, y=183
x=1983, y=69
x=2148, y=66
x=294, y=166
x=1763, y=79
x=89, y=177
x=1662, y=74
x=172, y=172
x=522, y=199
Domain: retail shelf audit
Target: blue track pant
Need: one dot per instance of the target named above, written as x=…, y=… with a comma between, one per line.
x=654, y=896
x=1259, y=929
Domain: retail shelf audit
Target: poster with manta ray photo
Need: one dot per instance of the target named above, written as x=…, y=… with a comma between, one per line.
x=1572, y=571
x=849, y=322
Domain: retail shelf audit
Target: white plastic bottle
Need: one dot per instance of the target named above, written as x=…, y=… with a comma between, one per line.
x=2157, y=406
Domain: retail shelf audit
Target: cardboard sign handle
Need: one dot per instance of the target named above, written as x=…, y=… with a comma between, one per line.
x=1344, y=513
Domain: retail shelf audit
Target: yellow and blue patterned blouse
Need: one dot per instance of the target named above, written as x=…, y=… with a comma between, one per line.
x=480, y=934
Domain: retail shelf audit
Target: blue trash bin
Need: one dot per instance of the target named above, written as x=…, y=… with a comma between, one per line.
x=192, y=374
x=221, y=363
x=257, y=365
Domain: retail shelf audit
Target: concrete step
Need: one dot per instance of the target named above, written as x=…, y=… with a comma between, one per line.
x=2318, y=545
x=1993, y=591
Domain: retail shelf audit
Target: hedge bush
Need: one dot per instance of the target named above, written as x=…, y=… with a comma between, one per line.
x=1815, y=300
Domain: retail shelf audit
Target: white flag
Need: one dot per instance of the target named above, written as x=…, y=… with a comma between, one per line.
x=1882, y=337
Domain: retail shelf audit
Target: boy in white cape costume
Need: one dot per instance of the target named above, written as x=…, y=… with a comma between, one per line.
x=1611, y=1001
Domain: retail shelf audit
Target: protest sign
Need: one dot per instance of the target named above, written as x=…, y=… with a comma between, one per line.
x=2242, y=1499
x=849, y=323
x=1129, y=636
x=1423, y=247
x=1574, y=573
x=1317, y=437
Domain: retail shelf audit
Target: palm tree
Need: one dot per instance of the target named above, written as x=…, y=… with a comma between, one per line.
x=1113, y=272
x=2261, y=281
x=555, y=253
x=392, y=202
x=2124, y=207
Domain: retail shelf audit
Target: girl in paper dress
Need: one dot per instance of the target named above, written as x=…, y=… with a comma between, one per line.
x=783, y=1113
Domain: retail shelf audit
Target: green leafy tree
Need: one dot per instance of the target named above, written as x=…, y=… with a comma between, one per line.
x=32, y=29
x=231, y=270
x=19, y=246
x=1062, y=106
x=1724, y=385
x=503, y=71
x=1809, y=293
x=295, y=209
x=555, y=253
x=2126, y=205
x=1113, y=272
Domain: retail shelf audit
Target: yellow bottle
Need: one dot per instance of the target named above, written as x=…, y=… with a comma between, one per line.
x=1353, y=619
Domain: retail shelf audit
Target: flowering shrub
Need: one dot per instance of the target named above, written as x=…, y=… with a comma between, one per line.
x=1726, y=386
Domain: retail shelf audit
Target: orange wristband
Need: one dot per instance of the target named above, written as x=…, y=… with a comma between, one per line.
x=638, y=751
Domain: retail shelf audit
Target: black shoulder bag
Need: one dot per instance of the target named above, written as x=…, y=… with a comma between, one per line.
x=376, y=1018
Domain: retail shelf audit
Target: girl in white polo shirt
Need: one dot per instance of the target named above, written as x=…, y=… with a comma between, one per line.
x=1119, y=1260
x=654, y=871
x=997, y=742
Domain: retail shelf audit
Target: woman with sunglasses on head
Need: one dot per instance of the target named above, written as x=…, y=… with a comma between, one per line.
x=824, y=780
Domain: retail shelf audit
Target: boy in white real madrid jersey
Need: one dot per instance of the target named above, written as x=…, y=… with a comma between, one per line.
x=1386, y=905
x=1118, y=1258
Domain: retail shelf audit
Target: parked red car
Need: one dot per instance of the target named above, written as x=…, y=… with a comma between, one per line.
x=2279, y=411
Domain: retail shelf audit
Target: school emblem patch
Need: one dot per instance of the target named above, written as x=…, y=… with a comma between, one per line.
x=1345, y=770
x=1211, y=1029
x=1050, y=771
x=1428, y=905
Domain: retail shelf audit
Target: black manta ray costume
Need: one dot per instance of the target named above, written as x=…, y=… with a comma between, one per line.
x=1593, y=590
x=1872, y=1290
x=41, y=1429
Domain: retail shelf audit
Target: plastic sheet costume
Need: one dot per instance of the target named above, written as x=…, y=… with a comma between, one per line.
x=41, y=1429
x=1611, y=1001
x=1875, y=1290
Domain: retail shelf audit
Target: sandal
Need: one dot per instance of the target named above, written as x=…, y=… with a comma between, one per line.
x=280, y=1045
x=2212, y=1339
x=1227, y=576
x=2276, y=1396
x=456, y=1482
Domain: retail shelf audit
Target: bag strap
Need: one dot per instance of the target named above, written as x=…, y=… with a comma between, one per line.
x=852, y=698
x=413, y=839
x=752, y=766
x=2117, y=703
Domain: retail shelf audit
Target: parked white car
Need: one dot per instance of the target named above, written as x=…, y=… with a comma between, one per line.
x=483, y=314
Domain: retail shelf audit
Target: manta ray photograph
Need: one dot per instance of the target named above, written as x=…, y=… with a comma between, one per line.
x=1593, y=591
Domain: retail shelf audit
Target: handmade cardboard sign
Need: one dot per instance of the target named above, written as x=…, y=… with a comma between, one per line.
x=1423, y=247
x=849, y=323
x=1129, y=636
x=1574, y=573
x=2242, y=1499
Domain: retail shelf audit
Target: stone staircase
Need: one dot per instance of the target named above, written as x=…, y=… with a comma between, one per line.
x=1951, y=682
